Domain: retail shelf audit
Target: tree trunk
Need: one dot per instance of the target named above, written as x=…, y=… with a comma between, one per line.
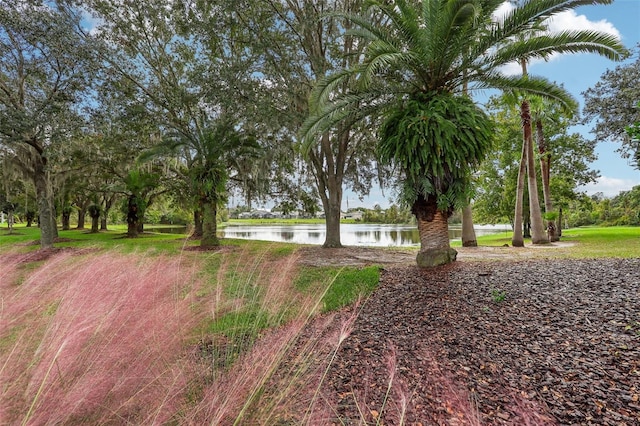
x=332, y=225
x=95, y=224
x=328, y=172
x=559, y=223
x=94, y=212
x=108, y=203
x=468, y=233
x=209, y=224
x=82, y=212
x=538, y=234
x=433, y=228
x=132, y=217
x=197, y=223
x=10, y=221
x=545, y=171
x=45, y=206
x=66, y=220
x=331, y=205
x=517, y=240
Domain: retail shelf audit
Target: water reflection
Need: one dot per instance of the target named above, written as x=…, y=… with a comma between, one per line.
x=350, y=234
x=287, y=235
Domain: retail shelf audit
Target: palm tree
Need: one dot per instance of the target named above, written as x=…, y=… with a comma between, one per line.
x=416, y=64
x=207, y=155
x=537, y=226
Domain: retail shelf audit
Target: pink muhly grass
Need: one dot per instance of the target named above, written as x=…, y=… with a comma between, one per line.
x=8, y=269
x=528, y=412
x=259, y=386
x=396, y=394
x=395, y=402
x=109, y=331
x=279, y=285
x=231, y=397
x=456, y=399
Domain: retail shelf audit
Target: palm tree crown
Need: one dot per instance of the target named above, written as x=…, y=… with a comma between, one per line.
x=420, y=61
x=435, y=46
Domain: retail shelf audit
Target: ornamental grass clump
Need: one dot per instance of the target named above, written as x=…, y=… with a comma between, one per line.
x=95, y=339
x=244, y=356
x=200, y=338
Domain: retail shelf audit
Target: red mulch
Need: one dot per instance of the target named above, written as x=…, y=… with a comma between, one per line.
x=545, y=342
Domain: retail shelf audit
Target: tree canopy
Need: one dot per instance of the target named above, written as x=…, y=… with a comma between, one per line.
x=613, y=104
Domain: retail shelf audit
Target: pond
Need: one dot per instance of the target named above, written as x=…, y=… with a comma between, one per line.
x=371, y=235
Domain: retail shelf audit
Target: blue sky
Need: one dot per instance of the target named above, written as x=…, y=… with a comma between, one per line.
x=578, y=73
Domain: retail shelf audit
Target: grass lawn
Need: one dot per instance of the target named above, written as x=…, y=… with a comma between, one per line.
x=583, y=242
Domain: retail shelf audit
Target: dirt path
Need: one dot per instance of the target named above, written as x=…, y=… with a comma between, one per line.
x=362, y=256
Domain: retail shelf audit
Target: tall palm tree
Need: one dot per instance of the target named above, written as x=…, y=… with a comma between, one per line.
x=416, y=63
x=537, y=226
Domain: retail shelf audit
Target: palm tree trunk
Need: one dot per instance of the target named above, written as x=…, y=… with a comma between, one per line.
x=209, y=224
x=538, y=235
x=197, y=222
x=433, y=228
x=132, y=217
x=468, y=233
x=517, y=240
x=545, y=167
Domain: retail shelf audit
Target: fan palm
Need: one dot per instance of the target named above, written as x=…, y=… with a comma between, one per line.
x=418, y=63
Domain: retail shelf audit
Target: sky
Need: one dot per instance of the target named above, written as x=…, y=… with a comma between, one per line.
x=577, y=72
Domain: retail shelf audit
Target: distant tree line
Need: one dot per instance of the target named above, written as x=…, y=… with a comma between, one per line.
x=623, y=209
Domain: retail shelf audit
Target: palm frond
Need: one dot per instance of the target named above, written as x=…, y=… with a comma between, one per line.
x=533, y=85
x=543, y=46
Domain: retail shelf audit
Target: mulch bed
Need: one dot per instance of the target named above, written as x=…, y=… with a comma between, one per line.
x=495, y=343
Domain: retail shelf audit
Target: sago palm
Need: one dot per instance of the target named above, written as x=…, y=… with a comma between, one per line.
x=419, y=61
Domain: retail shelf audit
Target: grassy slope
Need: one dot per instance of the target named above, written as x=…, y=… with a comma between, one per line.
x=147, y=331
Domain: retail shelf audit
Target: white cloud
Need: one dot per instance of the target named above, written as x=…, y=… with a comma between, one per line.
x=609, y=186
x=502, y=10
x=564, y=21
x=570, y=20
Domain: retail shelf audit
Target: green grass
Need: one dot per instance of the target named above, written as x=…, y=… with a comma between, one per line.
x=347, y=285
x=114, y=238
x=583, y=242
x=594, y=242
